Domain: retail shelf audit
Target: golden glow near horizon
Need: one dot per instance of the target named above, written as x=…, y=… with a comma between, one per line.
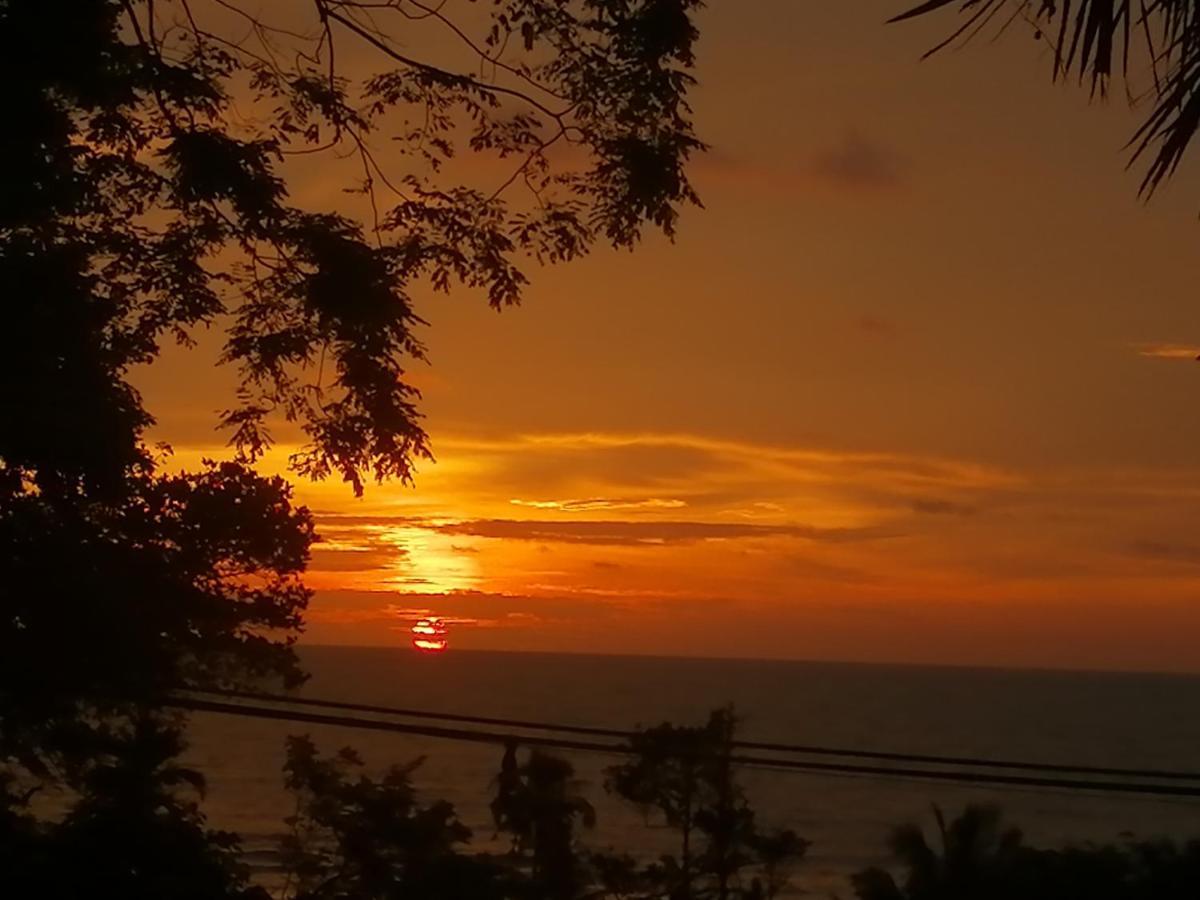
x=917, y=385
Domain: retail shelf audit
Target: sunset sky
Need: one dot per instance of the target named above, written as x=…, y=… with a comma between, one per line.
x=917, y=385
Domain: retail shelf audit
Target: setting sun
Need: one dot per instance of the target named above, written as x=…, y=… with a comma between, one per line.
x=429, y=635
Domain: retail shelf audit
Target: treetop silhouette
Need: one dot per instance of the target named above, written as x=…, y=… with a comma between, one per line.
x=147, y=151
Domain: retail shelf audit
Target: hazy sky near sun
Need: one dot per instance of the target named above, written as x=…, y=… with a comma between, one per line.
x=916, y=385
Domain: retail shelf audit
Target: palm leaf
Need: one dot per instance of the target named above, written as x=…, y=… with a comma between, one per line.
x=921, y=10
x=1092, y=41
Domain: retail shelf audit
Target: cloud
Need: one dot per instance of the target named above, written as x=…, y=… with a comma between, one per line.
x=593, y=503
x=635, y=470
x=379, y=612
x=1161, y=551
x=858, y=162
x=354, y=560
x=875, y=326
x=853, y=163
x=656, y=472
x=808, y=567
x=636, y=534
x=457, y=609
x=410, y=614
x=686, y=459
x=1187, y=352
x=938, y=507
x=352, y=549
x=353, y=522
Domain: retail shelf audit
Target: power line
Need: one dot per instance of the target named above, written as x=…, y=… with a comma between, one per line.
x=811, y=767
x=802, y=749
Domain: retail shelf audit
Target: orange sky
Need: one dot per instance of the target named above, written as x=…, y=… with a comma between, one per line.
x=915, y=386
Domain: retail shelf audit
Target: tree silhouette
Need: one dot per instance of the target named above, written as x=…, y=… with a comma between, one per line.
x=539, y=805
x=687, y=776
x=777, y=852
x=108, y=603
x=970, y=861
x=1166, y=870
x=139, y=205
x=976, y=858
x=150, y=156
x=23, y=851
x=354, y=837
x=1095, y=40
x=148, y=150
x=667, y=776
x=136, y=834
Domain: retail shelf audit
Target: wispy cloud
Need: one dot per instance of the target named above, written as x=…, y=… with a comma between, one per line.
x=601, y=503
x=875, y=326
x=1168, y=351
x=324, y=560
x=379, y=612
x=456, y=609
x=634, y=534
x=1169, y=552
x=698, y=455
x=858, y=162
x=413, y=614
x=940, y=507
x=342, y=548
x=854, y=163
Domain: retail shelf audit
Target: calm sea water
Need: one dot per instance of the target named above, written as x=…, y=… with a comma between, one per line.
x=1144, y=721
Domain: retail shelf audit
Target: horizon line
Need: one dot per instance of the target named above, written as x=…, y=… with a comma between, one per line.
x=678, y=657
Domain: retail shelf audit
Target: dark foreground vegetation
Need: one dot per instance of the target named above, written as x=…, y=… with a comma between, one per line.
x=134, y=829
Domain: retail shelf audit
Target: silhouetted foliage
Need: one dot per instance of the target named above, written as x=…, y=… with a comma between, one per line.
x=362, y=838
x=618, y=875
x=146, y=148
x=538, y=804
x=134, y=832
x=777, y=852
x=977, y=858
x=23, y=850
x=687, y=776
x=667, y=777
x=133, y=835
x=972, y=858
x=1095, y=39
x=354, y=837
x=108, y=604
x=150, y=154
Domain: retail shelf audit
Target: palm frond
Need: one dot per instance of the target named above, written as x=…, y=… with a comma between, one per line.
x=1092, y=41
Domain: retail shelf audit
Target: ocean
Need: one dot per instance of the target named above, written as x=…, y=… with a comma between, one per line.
x=1101, y=719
